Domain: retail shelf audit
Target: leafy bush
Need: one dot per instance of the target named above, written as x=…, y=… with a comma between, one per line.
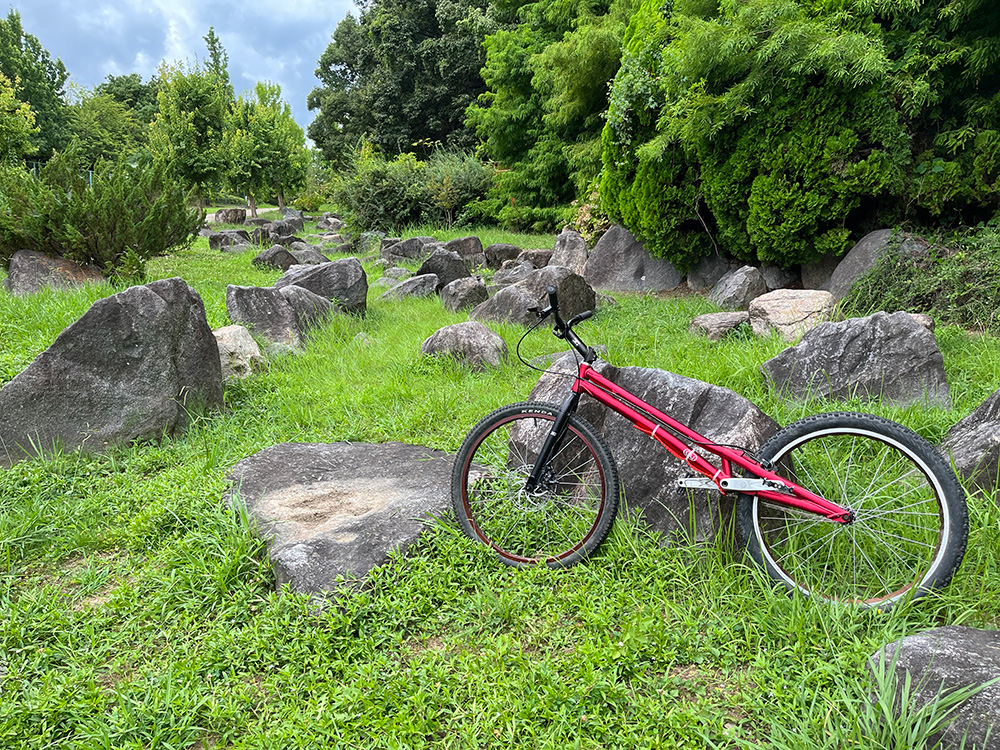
x=782, y=130
x=376, y=193
x=130, y=212
x=957, y=282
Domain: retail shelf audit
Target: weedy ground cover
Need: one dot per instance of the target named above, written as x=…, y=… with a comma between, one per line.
x=138, y=611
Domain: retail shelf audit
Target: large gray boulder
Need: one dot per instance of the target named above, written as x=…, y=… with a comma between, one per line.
x=536, y=258
x=707, y=272
x=737, y=289
x=306, y=254
x=570, y=251
x=864, y=255
x=939, y=661
x=31, y=271
x=974, y=447
x=334, y=512
x=424, y=285
x=131, y=368
x=648, y=472
x=511, y=303
x=512, y=272
x=817, y=273
x=294, y=217
x=230, y=216
x=464, y=294
x=410, y=250
x=472, y=344
x=228, y=238
x=275, y=257
x=343, y=282
x=715, y=326
x=776, y=277
x=447, y=265
x=498, y=252
x=467, y=247
x=311, y=310
x=888, y=357
x=620, y=263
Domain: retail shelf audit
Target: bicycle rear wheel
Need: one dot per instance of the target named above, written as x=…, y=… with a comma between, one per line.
x=570, y=512
x=911, y=522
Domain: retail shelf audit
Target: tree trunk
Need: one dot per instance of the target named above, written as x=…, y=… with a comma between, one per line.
x=281, y=201
x=253, y=206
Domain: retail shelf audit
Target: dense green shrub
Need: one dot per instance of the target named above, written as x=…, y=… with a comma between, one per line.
x=376, y=193
x=957, y=280
x=130, y=212
x=782, y=130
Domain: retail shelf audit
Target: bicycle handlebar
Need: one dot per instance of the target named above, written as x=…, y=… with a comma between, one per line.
x=564, y=329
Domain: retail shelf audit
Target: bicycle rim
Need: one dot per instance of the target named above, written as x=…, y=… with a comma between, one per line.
x=897, y=542
x=557, y=524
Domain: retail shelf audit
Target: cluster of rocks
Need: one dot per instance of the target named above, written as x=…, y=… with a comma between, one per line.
x=285, y=232
x=769, y=299
x=299, y=301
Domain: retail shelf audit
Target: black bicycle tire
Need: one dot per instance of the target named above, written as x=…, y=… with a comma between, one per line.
x=942, y=487
x=601, y=454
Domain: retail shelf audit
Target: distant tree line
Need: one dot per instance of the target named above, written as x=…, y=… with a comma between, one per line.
x=186, y=115
x=122, y=164
x=771, y=130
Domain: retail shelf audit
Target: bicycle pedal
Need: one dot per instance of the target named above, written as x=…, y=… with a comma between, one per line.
x=696, y=483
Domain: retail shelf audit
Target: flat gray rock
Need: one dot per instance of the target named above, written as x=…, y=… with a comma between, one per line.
x=946, y=659
x=340, y=509
x=30, y=271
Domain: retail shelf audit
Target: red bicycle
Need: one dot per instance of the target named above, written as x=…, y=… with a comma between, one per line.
x=845, y=507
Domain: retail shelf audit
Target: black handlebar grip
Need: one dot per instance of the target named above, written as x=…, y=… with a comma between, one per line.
x=553, y=302
x=584, y=316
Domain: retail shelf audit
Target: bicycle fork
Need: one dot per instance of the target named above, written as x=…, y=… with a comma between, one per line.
x=552, y=441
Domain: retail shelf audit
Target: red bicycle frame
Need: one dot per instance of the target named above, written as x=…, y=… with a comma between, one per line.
x=665, y=431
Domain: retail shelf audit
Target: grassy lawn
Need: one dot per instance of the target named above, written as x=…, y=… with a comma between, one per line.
x=136, y=611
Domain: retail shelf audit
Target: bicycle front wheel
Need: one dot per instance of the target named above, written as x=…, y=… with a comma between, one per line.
x=569, y=513
x=910, y=522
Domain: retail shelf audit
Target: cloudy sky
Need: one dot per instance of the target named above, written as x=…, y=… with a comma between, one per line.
x=277, y=41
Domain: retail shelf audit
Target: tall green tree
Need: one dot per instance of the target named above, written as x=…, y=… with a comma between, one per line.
x=217, y=64
x=289, y=159
x=129, y=90
x=39, y=80
x=264, y=146
x=189, y=128
x=17, y=124
x=541, y=115
x=400, y=76
x=105, y=127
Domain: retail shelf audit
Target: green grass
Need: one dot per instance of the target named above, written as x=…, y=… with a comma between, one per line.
x=137, y=611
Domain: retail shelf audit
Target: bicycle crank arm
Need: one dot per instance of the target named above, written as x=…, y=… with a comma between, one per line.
x=731, y=484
